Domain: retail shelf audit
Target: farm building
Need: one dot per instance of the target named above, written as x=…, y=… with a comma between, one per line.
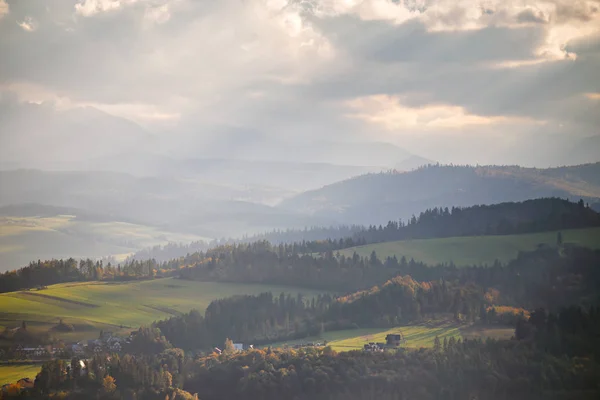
x=394, y=339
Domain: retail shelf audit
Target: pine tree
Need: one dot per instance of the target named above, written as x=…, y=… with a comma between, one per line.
x=559, y=239
x=437, y=346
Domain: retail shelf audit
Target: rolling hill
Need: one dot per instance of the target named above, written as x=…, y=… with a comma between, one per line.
x=92, y=306
x=379, y=198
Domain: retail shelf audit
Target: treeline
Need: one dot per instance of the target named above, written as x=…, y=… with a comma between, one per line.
x=170, y=251
x=539, y=215
x=261, y=262
x=249, y=319
x=284, y=264
x=43, y=273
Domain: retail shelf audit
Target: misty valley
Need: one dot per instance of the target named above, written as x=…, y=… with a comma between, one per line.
x=308, y=311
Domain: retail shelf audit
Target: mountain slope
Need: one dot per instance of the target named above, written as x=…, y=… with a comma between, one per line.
x=378, y=198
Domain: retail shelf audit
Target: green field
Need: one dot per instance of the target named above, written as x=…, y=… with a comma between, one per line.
x=474, y=250
x=92, y=306
x=417, y=336
x=24, y=239
x=12, y=373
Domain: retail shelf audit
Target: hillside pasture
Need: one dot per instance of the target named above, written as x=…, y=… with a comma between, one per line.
x=416, y=336
x=474, y=250
x=94, y=306
x=11, y=373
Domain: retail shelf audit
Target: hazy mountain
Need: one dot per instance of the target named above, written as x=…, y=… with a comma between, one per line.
x=274, y=179
x=377, y=198
x=237, y=143
x=179, y=204
x=38, y=135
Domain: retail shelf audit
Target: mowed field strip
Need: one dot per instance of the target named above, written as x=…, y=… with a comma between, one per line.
x=416, y=336
x=474, y=250
x=91, y=306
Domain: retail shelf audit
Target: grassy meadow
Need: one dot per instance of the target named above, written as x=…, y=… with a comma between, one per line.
x=24, y=239
x=11, y=373
x=92, y=306
x=417, y=336
x=474, y=250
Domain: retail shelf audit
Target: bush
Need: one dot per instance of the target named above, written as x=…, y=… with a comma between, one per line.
x=63, y=327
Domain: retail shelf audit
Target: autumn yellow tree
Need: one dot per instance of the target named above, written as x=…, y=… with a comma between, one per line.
x=229, y=348
x=108, y=384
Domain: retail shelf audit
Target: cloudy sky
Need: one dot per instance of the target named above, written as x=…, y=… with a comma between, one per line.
x=453, y=80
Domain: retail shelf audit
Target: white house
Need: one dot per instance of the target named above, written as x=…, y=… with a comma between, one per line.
x=238, y=346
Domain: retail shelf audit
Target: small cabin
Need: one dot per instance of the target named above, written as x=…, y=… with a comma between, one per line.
x=394, y=339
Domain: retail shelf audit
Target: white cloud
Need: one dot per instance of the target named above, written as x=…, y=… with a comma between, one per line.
x=565, y=20
x=88, y=8
x=3, y=8
x=28, y=24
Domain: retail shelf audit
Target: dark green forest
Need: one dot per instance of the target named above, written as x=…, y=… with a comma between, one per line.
x=545, y=278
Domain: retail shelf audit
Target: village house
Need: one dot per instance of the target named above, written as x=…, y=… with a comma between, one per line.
x=374, y=347
x=115, y=347
x=31, y=352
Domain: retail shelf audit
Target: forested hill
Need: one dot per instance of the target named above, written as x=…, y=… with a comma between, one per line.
x=537, y=215
x=378, y=198
x=530, y=216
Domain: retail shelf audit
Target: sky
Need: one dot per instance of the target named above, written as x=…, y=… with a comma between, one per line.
x=458, y=81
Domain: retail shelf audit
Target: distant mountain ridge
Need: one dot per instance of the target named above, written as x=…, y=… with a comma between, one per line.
x=166, y=202
x=378, y=198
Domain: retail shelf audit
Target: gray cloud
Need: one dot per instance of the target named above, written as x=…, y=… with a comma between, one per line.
x=288, y=72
